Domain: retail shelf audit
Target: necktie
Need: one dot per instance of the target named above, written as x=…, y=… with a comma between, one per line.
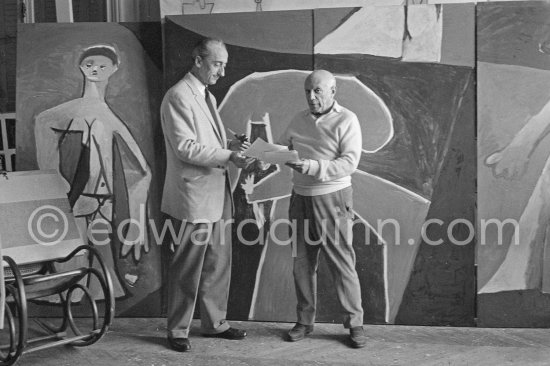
x=211, y=108
x=209, y=103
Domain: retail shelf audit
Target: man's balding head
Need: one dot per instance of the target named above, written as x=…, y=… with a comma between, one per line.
x=320, y=88
x=209, y=60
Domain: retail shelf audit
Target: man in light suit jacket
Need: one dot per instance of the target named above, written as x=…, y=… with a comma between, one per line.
x=198, y=198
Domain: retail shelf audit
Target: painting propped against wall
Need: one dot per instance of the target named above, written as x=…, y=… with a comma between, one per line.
x=514, y=164
x=404, y=181
x=88, y=99
x=414, y=116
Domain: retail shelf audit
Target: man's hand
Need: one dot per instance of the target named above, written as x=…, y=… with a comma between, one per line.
x=238, y=145
x=301, y=166
x=262, y=165
x=240, y=160
x=510, y=163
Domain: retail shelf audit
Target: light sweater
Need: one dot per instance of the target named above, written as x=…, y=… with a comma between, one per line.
x=333, y=144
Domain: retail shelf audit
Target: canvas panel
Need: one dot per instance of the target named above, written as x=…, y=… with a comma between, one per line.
x=67, y=123
x=513, y=164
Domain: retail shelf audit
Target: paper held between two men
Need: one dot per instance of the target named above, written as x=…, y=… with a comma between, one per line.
x=271, y=153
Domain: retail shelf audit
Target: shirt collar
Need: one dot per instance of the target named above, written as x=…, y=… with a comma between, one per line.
x=336, y=108
x=197, y=84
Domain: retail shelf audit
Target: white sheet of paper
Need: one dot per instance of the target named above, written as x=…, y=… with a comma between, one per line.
x=260, y=146
x=280, y=157
x=270, y=153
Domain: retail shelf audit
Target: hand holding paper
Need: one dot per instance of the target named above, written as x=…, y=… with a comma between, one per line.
x=301, y=166
x=240, y=143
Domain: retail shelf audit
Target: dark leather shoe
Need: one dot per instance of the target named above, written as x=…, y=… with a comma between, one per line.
x=231, y=333
x=179, y=344
x=357, y=337
x=299, y=332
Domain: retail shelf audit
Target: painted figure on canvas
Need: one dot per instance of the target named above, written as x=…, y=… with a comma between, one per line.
x=523, y=266
x=83, y=139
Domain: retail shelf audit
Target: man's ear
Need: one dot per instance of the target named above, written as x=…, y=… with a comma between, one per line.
x=198, y=61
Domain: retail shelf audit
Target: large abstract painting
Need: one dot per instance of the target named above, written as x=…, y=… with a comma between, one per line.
x=411, y=179
x=414, y=101
x=514, y=164
x=88, y=109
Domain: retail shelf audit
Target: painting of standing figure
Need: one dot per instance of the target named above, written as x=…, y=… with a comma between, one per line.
x=84, y=130
x=88, y=165
x=514, y=164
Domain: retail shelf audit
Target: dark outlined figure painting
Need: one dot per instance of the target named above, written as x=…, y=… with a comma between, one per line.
x=415, y=109
x=90, y=108
x=514, y=163
x=87, y=162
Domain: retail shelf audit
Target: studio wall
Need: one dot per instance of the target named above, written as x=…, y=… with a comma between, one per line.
x=449, y=140
x=188, y=7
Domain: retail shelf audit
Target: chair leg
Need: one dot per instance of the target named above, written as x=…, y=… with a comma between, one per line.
x=18, y=334
x=16, y=311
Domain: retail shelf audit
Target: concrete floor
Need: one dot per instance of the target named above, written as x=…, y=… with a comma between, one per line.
x=142, y=342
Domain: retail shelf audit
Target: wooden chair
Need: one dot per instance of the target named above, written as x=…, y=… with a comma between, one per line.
x=31, y=267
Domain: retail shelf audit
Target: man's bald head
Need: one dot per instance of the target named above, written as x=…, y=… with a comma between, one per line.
x=322, y=77
x=320, y=88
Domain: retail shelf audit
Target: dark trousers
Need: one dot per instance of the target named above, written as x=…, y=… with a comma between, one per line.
x=326, y=222
x=200, y=270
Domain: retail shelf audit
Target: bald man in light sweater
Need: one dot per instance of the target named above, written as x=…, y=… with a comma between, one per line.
x=328, y=140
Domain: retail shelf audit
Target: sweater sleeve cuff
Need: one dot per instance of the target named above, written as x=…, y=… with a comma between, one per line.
x=322, y=171
x=313, y=167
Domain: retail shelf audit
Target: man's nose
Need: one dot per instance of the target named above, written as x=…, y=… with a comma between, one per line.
x=310, y=95
x=222, y=71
